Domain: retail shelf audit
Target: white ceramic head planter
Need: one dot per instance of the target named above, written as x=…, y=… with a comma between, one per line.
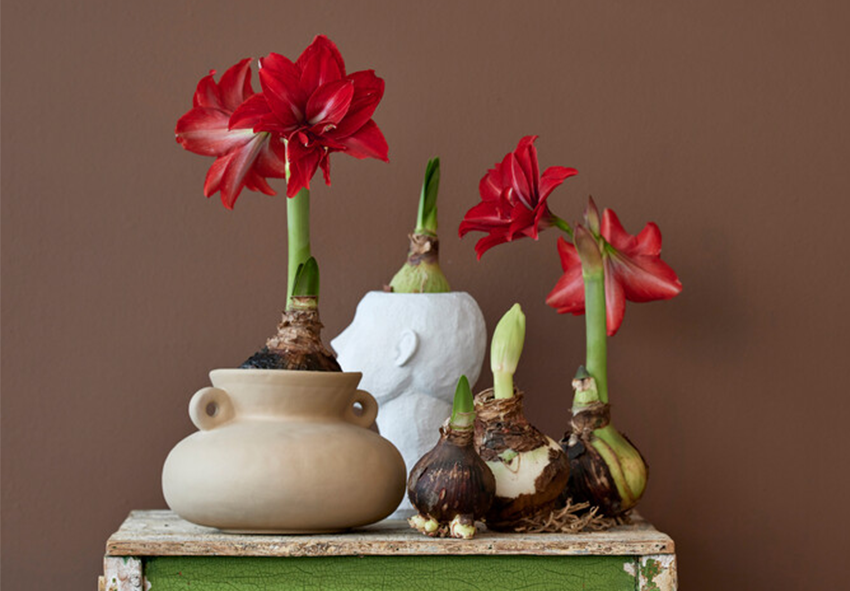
x=411, y=349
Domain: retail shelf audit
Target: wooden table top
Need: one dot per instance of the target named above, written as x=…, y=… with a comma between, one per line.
x=162, y=533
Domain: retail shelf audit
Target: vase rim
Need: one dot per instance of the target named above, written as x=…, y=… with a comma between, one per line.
x=289, y=375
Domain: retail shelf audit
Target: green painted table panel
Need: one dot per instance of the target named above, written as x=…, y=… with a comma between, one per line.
x=424, y=573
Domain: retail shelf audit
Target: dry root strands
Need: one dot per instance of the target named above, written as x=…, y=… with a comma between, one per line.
x=451, y=486
x=572, y=518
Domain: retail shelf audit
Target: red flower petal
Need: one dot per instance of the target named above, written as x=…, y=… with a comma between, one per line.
x=207, y=93
x=330, y=103
x=325, y=165
x=552, y=177
x=255, y=182
x=271, y=161
x=280, y=80
x=368, y=91
x=481, y=217
x=520, y=184
x=489, y=188
x=367, y=142
x=303, y=163
x=326, y=47
x=488, y=242
x=526, y=158
x=238, y=166
x=250, y=114
x=205, y=131
x=615, y=300
x=644, y=278
x=568, y=294
x=235, y=85
x=320, y=64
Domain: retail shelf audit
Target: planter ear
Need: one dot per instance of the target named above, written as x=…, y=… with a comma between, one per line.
x=408, y=342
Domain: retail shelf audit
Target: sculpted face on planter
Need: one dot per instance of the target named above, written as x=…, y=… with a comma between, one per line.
x=411, y=349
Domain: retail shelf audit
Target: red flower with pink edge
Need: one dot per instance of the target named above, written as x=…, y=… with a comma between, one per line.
x=633, y=267
x=513, y=198
x=244, y=158
x=317, y=109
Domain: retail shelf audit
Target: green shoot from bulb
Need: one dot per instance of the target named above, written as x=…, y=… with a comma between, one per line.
x=421, y=273
x=505, y=351
x=463, y=410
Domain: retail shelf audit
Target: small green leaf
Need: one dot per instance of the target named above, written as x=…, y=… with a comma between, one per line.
x=463, y=410
x=307, y=279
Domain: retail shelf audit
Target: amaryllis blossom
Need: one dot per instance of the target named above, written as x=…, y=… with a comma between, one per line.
x=317, y=109
x=513, y=198
x=633, y=267
x=244, y=158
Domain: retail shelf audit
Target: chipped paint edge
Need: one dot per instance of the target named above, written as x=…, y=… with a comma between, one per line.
x=122, y=573
x=657, y=572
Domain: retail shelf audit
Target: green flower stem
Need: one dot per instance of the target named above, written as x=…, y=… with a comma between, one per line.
x=298, y=234
x=597, y=333
x=562, y=225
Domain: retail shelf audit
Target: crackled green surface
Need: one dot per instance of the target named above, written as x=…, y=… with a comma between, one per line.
x=424, y=573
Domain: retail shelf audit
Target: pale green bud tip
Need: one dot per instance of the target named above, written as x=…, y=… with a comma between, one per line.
x=508, y=339
x=581, y=374
x=463, y=411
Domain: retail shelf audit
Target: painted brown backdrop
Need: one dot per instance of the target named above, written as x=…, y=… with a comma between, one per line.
x=724, y=122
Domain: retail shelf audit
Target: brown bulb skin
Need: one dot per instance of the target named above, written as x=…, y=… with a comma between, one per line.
x=452, y=480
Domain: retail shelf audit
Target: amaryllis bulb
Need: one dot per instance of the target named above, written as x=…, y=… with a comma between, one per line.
x=298, y=345
x=606, y=469
x=421, y=273
x=451, y=486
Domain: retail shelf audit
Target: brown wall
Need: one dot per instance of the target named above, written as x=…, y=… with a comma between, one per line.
x=724, y=122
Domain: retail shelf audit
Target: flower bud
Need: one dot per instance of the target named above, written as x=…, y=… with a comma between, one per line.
x=508, y=340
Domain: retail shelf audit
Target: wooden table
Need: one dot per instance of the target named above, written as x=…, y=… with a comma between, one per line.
x=157, y=550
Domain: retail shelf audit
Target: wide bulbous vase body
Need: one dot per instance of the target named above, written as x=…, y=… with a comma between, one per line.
x=282, y=451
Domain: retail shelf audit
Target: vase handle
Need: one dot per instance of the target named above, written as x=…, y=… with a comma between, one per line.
x=210, y=407
x=369, y=412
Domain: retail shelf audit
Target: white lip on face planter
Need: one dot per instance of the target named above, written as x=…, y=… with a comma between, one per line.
x=411, y=349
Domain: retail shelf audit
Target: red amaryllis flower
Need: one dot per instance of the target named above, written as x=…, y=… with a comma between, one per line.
x=317, y=108
x=513, y=198
x=244, y=158
x=633, y=267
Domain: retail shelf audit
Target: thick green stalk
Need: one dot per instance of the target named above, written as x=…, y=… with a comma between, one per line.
x=597, y=330
x=298, y=233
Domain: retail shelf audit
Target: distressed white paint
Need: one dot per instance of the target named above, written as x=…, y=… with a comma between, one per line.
x=667, y=577
x=412, y=349
x=123, y=574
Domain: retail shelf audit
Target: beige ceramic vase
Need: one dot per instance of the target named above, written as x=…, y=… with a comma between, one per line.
x=283, y=452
